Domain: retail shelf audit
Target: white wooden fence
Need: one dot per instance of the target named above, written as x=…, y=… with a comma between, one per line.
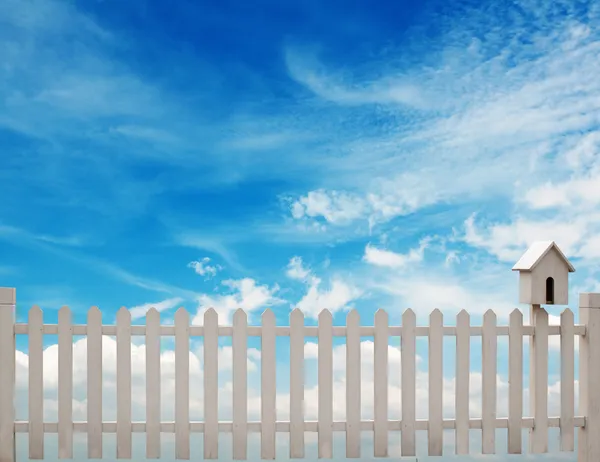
x=539, y=331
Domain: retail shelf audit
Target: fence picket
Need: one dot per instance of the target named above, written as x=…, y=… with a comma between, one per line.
x=567, y=381
x=488, y=370
x=296, y=384
x=409, y=397
x=515, y=383
x=268, y=386
x=463, y=370
x=211, y=384
x=182, y=384
x=538, y=438
x=36, y=384
x=94, y=383
x=436, y=381
x=380, y=388
x=325, y=435
x=65, y=384
x=240, y=385
x=124, y=441
x=153, y=440
x=353, y=400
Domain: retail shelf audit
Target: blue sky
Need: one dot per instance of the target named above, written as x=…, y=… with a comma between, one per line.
x=282, y=154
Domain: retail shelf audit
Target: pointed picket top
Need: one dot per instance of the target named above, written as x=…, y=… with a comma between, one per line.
x=381, y=316
x=124, y=315
x=182, y=315
x=516, y=315
x=436, y=315
x=240, y=317
x=297, y=314
x=463, y=315
x=211, y=315
x=35, y=312
x=64, y=314
x=94, y=314
x=353, y=316
x=325, y=315
x=153, y=314
x=268, y=316
x=567, y=315
x=409, y=316
x=489, y=316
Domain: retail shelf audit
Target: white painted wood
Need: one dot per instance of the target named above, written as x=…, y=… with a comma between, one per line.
x=463, y=355
x=588, y=441
x=268, y=367
x=436, y=381
x=7, y=374
x=240, y=385
x=8, y=298
x=538, y=438
x=65, y=384
x=296, y=384
x=94, y=383
x=211, y=384
x=489, y=368
x=515, y=383
x=380, y=389
x=153, y=441
x=353, y=380
x=567, y=381
x=543, y=260
x=325, y=349
x=124, y=441
x=182, y=384
x=408, y=358
x=284, y=331
x=36, y=384
x=284, y=427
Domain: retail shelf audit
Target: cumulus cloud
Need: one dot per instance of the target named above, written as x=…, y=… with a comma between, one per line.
x=244, y=293
x=296, y=269
x=203, y=268
x=338, y=296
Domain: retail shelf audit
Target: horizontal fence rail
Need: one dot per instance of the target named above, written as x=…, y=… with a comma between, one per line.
x=325, y=425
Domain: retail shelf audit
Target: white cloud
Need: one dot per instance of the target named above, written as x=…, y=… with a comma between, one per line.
x=385, y=200
x=387, y=258
x=335, y=207
x=296, y=269
x=337, y=297
x=508, y=241
x=505, y=117
x=141, y=310
x=203, y=268
x=246, y=294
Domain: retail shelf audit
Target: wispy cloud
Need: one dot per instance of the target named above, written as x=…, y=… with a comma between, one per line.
x=390, y=259
x=513, y=102
x=141, y=310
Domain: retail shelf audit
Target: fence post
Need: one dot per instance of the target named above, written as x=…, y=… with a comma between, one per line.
x=589, y=378
x=7, y=374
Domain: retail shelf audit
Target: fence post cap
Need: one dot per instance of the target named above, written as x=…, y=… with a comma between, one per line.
x=8, y=295
x=589, y=300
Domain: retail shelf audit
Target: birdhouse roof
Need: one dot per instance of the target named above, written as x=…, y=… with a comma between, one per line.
x=536, y=253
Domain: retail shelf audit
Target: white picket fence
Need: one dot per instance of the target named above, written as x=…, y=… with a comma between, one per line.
x=539, y=332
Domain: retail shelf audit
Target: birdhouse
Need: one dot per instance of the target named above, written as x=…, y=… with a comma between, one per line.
x=544, y=275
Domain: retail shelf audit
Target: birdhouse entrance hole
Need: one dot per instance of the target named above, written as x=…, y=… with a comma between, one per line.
x=550, y=291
